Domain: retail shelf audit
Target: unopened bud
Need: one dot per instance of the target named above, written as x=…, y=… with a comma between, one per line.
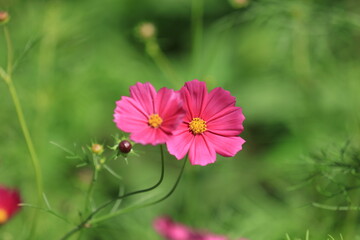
x=146, y=30
x=97, y=167
x=125, y=146
x=4, y=17
x=97, y=148
x=239, y=3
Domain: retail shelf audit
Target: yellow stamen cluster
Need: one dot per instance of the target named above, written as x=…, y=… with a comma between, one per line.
x=197, y=126
x=3, y=216
x=155, y=120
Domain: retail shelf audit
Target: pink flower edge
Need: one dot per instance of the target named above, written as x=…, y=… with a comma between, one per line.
x=171, y=230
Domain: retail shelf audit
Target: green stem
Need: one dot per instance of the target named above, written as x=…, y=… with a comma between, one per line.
x=197, y=33
x=25, y=130
x=9, y=51
x=86, y=221
x=154, y=51
x=131, y=208
x=92, y=184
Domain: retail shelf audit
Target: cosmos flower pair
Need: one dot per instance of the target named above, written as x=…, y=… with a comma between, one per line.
x=9, y=203
x=190, y=121
x=171, y=230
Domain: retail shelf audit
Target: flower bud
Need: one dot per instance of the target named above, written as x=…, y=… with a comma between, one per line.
x=239, y=3
x=146, y=30
x=125, y=146
x=97, y=148
x=4, y=17
x=97, y=167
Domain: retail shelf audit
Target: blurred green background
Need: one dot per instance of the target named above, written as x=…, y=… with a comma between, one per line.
x=294, y=67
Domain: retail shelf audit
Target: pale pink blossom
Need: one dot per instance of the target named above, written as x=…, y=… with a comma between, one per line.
x=171, y=230
x=149, y=116
x=211, y=125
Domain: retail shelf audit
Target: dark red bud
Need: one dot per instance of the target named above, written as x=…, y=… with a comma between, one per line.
x=125, y=146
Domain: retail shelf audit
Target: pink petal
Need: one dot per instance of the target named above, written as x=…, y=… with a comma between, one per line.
x=178, y=232
x=145, y=94
x=214, y=237
x=194, y=95
x=225, y=146
x=228, y=122
x=162, y=224
x=218, y=100
x=201, y=151
x=149, y=135
x=171, y=230
x=169, y=107
x=129, y=115
x=179, y=144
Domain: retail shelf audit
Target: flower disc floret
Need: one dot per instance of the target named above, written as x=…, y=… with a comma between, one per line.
x=155, y=120
x=3, y=216
x=197, y=126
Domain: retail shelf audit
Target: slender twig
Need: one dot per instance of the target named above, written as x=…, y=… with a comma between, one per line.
x=90, y=191
x=197, y=33
x=336, y=208
x=85, y=222
x=154, y=51
x=128, y=209
x=7, y=77
x=9, y=51
x=25, y=130
x=28, y=139
x=46, y=210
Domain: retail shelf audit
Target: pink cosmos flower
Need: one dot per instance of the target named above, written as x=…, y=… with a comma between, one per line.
x=9, y=203
x=150, y=116
x=211, y=125
x=171, y=230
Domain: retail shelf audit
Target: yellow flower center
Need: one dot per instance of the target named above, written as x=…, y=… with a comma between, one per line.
x=155, y=120
x=3, y=216
x=197, y=126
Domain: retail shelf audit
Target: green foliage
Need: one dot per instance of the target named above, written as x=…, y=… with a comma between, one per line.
x=292, y=65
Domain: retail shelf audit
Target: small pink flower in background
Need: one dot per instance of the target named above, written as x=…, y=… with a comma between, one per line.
x=171, y=230
x=211, y=125
x=149, y=116
x=9, y=203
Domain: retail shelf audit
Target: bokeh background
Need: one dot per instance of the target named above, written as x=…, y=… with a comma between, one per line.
x=292, y=65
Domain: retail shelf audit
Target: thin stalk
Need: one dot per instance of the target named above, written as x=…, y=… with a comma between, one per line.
x=154, y=51
x=25, y=130
x=131, y=208
x=90, y=191
x=9, y=51
x=197, y=12
x=301, y=54
x=86, y=221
